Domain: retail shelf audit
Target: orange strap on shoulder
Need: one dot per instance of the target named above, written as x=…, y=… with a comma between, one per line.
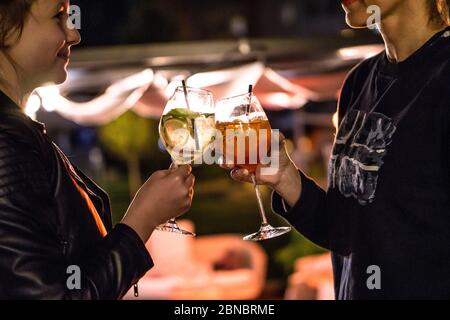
x=92, y=208
x=90, y=204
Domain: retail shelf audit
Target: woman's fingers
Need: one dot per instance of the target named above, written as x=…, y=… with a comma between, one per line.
x=227, y=166
x=190, y=180
x=182, y=171
x=282, y=137
x=241, y=175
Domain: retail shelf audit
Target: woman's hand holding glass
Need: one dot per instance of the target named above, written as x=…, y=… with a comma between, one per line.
x=285, y=180
x=247, y=137
x=165, y=195
x=186, y=129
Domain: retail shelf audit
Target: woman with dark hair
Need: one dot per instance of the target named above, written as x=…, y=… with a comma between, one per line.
x=53, y=219
x=386, y=212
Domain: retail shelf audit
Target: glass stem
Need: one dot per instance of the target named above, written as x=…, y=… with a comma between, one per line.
x=173, y=221
x=173, y=165
x=262, y=213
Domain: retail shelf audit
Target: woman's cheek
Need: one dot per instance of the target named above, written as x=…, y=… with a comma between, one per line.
x=42, y=47
x=45, y=65
x=57, y=41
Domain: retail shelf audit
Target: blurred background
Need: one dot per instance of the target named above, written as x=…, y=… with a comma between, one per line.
x=295, y=52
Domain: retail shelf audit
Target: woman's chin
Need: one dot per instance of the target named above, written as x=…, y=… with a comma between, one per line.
x=61, y=79
x=60, y=71
x=356, y=21
x=60, y=76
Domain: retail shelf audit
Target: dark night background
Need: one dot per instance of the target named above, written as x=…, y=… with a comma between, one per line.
x=145, y=21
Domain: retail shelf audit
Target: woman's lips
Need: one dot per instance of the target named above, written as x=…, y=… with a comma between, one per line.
x=348, y=2
x=65, y=54
x=65, y=58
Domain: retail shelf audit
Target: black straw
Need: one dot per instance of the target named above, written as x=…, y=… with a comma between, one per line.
x=197, y=142
x=250, y=92
x=185, y=94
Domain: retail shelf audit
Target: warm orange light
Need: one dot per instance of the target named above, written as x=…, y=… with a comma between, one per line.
x=305, y=145
x=33, y=106
x=359, y=52
x=336, y=120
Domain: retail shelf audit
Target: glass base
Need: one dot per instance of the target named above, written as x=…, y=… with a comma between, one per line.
x=173, y=227
x=267, y=232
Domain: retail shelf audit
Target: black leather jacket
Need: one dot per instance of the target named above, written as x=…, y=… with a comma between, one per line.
x=47, y=223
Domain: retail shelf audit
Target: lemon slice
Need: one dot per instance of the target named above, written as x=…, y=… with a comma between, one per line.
x=183, y=113
x=176, y=132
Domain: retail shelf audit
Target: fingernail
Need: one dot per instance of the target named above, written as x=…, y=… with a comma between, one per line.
x=236, y=173
x=239, y=172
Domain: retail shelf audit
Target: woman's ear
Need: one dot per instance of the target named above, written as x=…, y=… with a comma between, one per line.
x=440, y=12
x=10, y=39
x=444, y=10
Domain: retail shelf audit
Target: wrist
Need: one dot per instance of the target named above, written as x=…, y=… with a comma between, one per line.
x=144, y=230
x=289, y=186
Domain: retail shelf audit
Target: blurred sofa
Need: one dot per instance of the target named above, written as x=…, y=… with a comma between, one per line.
x=312, y=279
x=216, y=267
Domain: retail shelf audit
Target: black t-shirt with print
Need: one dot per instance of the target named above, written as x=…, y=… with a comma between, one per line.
x=388, y=199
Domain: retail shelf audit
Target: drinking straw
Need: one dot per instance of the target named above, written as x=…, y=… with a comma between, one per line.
x=186, y=94
x=197, y=143
x=250, y=92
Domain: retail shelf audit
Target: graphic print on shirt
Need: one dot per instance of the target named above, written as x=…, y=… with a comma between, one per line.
x=358, y=153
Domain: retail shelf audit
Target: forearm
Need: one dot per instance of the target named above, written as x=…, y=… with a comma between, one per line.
x=120, y=262
x=308, y=213
x=107, y=272
x=143, y=230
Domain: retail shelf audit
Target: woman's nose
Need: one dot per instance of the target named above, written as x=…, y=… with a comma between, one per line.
x=73, y=37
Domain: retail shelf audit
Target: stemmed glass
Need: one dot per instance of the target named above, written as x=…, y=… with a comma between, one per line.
x=246, y=132
x=186, y=129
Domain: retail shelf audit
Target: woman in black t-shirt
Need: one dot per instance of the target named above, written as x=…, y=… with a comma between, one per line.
x=386, y=212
